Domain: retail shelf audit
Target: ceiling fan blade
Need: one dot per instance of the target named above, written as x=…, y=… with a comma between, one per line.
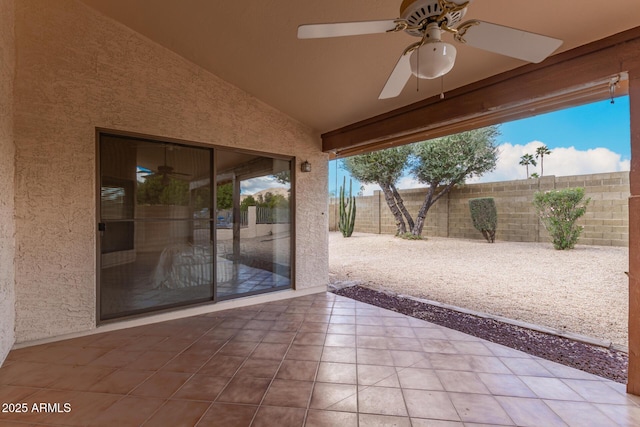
x=398, y=78
x=511, y=42
x=317, y=31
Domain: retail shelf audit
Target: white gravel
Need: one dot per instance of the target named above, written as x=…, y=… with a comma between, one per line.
x=583, y=291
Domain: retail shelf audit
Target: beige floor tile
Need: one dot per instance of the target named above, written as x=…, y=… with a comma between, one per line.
x=202, y=387
x=526, y=366
x=161, y=384
x=505, y=385
x=479, y=408
x=269, y=416
x=419, y=379
x=528, y=412
x=551, y=388
x=178, y=413
x=462, y=382
x=336, y=397
x=259, y=368
x=288, y=393
x=626, y=416
x=339, y=354
x=374, y=357
x=371, y=420
x=579, y=414
x=375, y=374
x=421, y=422
x=341, y=373
x=341, y=329
x=430, y=404
x=596, y=391
x=340, y=340
x=305, y=352
x=300, y=370
x=228, y=415
x=316, y=418
x=130, y=411
x=381, y=400
x=245, y=390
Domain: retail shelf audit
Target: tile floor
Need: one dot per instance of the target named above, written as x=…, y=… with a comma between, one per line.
x=319, y=360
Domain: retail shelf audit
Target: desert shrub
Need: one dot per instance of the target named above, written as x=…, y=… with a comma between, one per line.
x=485, y=217
x=559, y=210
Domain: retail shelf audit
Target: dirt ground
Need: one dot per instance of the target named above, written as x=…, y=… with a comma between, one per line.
x=583, y=291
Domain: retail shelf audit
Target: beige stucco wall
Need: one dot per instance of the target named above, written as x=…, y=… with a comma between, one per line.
x=7, y=154
x=78, y=70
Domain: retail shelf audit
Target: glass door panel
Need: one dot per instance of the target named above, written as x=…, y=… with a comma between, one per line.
x=253, y=227
x=155, y=222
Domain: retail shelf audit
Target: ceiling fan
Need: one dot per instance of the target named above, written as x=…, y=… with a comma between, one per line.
x=165, y=171
x=431, y=57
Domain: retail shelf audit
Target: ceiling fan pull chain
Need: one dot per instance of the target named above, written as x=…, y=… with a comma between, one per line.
x=442, y=87
x=418, y=69
x=613, y=85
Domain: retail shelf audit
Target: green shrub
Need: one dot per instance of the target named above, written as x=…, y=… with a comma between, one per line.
x=559, y=210
x=485, y=217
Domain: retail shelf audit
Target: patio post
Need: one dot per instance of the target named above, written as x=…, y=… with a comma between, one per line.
x=633, y=383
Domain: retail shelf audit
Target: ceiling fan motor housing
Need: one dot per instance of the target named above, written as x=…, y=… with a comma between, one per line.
x=416, y=11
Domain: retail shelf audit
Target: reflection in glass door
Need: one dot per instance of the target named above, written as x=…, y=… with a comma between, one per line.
x=155, y=226
x=253, y=224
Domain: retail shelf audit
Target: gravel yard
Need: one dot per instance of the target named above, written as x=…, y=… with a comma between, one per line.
x=582, y=291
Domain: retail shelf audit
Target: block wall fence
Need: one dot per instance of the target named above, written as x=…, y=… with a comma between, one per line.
x=606, y=222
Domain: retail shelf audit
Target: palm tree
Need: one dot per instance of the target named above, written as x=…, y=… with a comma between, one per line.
x=526, y=160
x=541, y=152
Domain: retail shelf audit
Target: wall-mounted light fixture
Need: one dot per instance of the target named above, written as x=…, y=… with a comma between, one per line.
x=305, y=166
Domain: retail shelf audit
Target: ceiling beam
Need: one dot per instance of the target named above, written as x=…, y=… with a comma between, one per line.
x=564, y=80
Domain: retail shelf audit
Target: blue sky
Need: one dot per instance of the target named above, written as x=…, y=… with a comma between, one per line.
x=591, y=138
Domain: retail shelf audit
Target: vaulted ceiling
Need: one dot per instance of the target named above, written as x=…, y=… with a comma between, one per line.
x=330, y=83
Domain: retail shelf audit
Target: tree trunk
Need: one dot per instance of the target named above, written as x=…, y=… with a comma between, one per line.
x=401, y=206
x=429, y=201
x=422, y=213
x=401, y=227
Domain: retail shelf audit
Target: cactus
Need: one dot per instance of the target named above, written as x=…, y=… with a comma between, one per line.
x=347, y=210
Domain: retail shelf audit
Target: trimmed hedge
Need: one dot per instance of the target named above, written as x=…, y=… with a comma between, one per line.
x=485, y=217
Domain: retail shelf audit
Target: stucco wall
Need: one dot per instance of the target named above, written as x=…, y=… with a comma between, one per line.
x=7, y=155
x=78, y=70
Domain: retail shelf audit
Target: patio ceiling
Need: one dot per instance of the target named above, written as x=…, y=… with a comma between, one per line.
x=331, y=83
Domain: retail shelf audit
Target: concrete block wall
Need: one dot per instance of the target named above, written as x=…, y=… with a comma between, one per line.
x=606, y=222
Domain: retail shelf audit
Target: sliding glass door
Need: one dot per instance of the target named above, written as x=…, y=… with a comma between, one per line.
x=169, y=238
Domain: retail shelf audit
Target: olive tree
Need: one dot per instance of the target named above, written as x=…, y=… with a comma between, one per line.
x=442, y=163
x=384, y=168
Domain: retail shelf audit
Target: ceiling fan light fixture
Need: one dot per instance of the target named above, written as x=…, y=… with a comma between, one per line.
x=432, y=60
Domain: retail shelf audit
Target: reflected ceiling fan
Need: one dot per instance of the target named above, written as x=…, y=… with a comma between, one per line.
x=165, y=171
x=431, y=57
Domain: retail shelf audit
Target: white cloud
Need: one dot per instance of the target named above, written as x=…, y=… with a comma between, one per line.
x=254, y=185
x=561, y=162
